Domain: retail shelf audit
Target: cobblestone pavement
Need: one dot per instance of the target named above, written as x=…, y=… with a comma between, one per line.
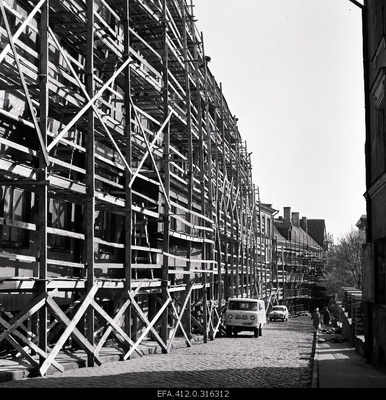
x=281, y=358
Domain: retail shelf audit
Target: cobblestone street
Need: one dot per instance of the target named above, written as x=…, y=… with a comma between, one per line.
x=281, y=358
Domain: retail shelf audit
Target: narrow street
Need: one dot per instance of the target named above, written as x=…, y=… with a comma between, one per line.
x=281, y=358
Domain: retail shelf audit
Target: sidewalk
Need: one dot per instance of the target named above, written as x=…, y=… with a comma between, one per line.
x=18, y=368
x=337, y=364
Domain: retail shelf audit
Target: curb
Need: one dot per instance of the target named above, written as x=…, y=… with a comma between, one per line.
x=315, y=364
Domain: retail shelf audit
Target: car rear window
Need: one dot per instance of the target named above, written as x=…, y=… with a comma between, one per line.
x=243, y=305
x=278, y=308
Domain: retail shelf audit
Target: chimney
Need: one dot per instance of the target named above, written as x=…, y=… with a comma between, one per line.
x=287, y=214
x=303, y=224
x=295, y=219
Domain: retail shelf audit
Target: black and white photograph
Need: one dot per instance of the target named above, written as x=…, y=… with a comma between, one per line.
x=192, y=196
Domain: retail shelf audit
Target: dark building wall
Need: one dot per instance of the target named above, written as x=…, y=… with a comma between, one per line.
x=374, y=55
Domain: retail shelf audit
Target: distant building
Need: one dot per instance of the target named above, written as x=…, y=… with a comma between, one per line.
x=299, y=249
x=362, y=223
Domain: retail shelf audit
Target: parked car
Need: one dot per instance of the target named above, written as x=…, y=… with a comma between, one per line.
x=279, y=312
x=245, y=314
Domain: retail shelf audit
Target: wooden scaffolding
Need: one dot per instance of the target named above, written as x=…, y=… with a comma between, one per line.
x=127, y=206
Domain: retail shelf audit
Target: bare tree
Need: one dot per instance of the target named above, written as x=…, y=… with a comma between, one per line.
x=344, y=263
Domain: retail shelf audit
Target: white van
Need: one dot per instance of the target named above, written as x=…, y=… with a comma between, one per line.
x=244, y=314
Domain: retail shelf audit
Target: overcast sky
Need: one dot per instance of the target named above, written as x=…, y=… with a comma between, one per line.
x=292, y=73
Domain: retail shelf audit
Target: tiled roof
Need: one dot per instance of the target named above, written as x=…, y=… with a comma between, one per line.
x=298, y=235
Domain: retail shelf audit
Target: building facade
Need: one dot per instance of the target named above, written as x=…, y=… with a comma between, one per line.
x=374, y=278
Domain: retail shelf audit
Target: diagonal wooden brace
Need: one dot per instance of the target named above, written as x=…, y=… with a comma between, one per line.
x=25, y=88
x=70, y=329
x=113, y=324
x=115, y=320
x=88, y=105
x=180, y=318
x=29, y=309
x=149, y=326
x=81, y=86
x=21, y=28
x=29, y=343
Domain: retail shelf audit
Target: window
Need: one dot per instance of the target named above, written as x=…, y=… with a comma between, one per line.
x=59, y=218
x=243, y=305
x=380, y=143
x=109, y=227
x=13, y=207
x=379, y=21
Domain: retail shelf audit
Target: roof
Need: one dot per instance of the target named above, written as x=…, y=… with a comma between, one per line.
x=298, y=235
x=362, y=222
x=316, y=228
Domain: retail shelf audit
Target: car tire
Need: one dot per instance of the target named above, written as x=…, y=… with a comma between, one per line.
x=256, y=333
x=228, y=330
x=260, y=331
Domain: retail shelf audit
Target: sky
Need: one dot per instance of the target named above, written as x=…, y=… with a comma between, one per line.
x=292, y=73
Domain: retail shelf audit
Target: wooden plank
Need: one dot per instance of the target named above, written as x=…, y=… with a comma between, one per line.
x=187, y=298
x=149, y=326
x=26, y=311
x=109, y=329
x=89, y=104
x=75, y=333
x=17, y=346
x=71, y=328
x=21, y=28
x=167, y=118
x=217, y=327
x=25, y=88
x=54, y=327
x=30, y=344
x=89, y=207
x=114, y=325
x=32, y=259
x=16, y=321
x=19, y=257
x=149, y=146
x=65, y=263
x=191, y=260
x=119, y=314
x=176, y=316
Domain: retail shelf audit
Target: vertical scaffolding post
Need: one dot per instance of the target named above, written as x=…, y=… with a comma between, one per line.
x=90, y=175
x=252, y=213
x=208, y=246
x=247, y=238
x=218, y=215
x=260, y=263
x=43, y=193
x=242, y=226
x=128, y=191
x=227, y=278
x=202, y=185
x=186, y=279
x=256, y=235
x=237, y=210
x=166, y=164
x=232, y=228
